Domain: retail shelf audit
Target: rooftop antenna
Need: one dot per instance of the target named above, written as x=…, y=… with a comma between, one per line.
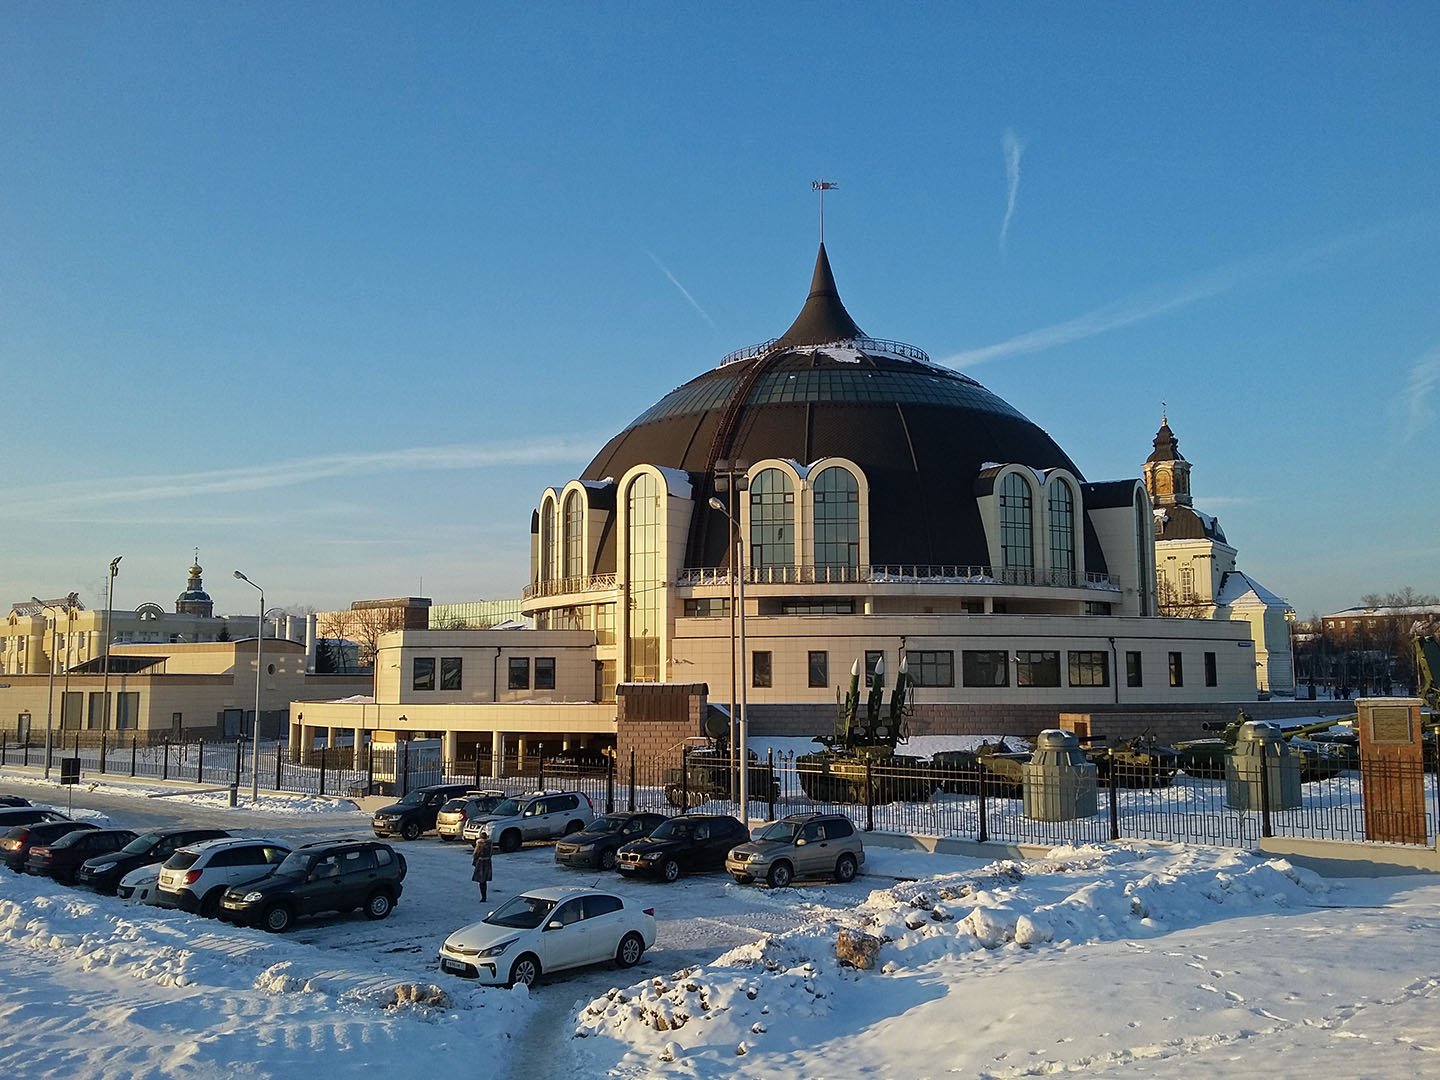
x=823, y=186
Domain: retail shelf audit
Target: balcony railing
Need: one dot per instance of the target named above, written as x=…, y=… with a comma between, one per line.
x=568, y=585
x=864, y=344
x=899, y=574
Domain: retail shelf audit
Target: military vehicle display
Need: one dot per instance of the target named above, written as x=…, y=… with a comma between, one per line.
x=859, y=763
x=1205, y=758
x=1141, y=762
x=992, y=767
x=708, y=773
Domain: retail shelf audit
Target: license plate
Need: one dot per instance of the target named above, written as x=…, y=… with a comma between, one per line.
x=452, y=965
x=626, y=868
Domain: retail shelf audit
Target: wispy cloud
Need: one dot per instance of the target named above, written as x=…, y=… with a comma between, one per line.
x=683, y=291
x=1424, y=377
x=1153, y=303
x=112, y=491
x=1012, y=147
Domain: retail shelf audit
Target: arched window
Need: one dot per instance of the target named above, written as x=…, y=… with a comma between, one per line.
x=837, y=523
x=643, y=578
x=772, y=521
x=547, y=541
x=1017, y=550
x=573, y=541
x=1062, y=533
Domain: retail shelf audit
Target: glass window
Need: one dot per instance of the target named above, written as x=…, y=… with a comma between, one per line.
x=760, y=673
x=1212, y=676
x=450, y=673
x=423, y=673
x=1187, y=585
x=1089, y=669
x=644, y=577
x=519, y=673
x=547, y=540
x=127, y=709
x=836, y=606
x=1132, y=669
x=985, y=667
x=837, y=523
x=1177, y=670
x=1062, y=533
x=931, y=667
x=573, y=536
x=545, y=673
x=819, y=668
x=95, y=714
x=872, y=658
x=1017, y=552
x=772, y=521
x=1037, y=668
x=707, y=607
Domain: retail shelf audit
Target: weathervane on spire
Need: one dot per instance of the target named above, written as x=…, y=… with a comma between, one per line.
x=1163, y=418
x=823, y=186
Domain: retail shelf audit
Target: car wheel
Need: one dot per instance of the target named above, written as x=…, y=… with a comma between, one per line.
x=671, y=870
x=607, y=859
x=210, y=902
x=446, y=837
x=632, y=947
x=277, y=919
x=526, y=970
x=780, y=875
x=510, y=840
x=410, y=830
x=845, y=868
x=379, y=905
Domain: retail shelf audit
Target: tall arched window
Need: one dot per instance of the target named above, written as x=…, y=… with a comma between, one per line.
x=573, y=536
x=643, y=579
x=837, y=522
x=1017, y=530
x=772, y=521
x=1062, y=533
x=547, y=541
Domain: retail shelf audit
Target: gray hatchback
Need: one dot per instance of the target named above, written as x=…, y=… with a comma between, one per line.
x=799, y=846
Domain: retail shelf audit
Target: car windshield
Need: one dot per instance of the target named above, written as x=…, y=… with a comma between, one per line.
x=508, y=808
x=413, y=798
x=142, y=843
x=676, y=829
x=783, y=831
x=297, y=864
x=606, y=825
x=521, y=912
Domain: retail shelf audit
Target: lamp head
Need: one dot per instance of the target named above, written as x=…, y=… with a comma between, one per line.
x=241, y=576
x=716, y=504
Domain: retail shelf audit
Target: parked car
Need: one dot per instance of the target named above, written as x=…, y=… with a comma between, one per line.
x=141, y=885
x=596, y=844
x=103, y=872
x=16, y=844
x=453, y=815
x=10, y=816
x=799, y=846
x=60, y=858
x=416, y=812
x=541, y=815
x=197, y=875
x=14, y=800
x=548, y=930
x=690, y=843
x=337, y=875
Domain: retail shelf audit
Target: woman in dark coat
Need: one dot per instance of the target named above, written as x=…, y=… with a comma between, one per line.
x=480, y=859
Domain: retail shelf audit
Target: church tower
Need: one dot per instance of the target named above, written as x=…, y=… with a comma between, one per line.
x=1167, y=473
x=195, y=600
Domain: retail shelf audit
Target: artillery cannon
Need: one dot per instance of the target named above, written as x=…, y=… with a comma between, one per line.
x=1320, y=759
x=859, y=763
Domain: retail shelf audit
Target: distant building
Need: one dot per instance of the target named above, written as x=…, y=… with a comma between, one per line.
x=1383, y=623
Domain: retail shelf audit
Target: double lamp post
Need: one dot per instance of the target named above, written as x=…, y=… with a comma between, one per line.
x=255, y=735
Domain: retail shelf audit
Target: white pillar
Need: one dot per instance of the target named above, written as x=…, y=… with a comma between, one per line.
x=497, y=754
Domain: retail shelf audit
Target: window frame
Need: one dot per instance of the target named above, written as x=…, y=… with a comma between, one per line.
x=931, y=667
x=516, y=666
x=762, y=672
x=422, y=674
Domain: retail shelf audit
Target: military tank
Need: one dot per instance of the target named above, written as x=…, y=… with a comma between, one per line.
x=708, y=773
x=1141, y=762
x=859, y=763
x=995, y=768
x=1205, y=758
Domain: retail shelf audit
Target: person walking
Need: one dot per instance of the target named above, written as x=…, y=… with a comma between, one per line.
x=480, y=858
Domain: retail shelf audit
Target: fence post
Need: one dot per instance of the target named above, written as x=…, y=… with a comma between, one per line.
x=540, y=780
x=405, y=772
x=26, y=752
x=134, y=743
x=869, y=795
x=4, y=747
x=1437, y=770
x=772, y=785
x=477, y=761
x=982, y=827
x=200, y=762
x=279, y=761
x=103, y=753
x=1114, y=800
x=324, y=752
x=237, y=761
x=684, y=778
x=370, y=768
x=1265, y=829
x=165, y=762
x=609, y=783
x=632, y=780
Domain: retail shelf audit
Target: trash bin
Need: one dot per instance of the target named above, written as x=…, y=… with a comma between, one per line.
x=1060, y=782
x=1261, y=745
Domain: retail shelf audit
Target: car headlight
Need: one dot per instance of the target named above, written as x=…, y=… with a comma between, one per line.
x=652, y=856
x=496, y=950
x=252, y=897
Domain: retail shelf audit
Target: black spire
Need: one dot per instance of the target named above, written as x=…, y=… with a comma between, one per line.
x=823, y=319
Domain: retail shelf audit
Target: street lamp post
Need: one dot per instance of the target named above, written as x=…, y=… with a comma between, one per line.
x=50, y=694
x=255, y=735
x=732, y=479
x=105, y=684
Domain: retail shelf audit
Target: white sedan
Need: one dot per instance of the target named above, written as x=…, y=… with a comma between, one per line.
x=140, y=885
x=547, y=930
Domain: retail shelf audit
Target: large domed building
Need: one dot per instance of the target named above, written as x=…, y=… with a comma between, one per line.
x=887, y=507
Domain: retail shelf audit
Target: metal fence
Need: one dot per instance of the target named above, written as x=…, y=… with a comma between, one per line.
x=906, y=797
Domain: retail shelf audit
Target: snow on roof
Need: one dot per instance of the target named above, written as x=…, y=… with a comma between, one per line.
x=1236, y=586
x=677, y=481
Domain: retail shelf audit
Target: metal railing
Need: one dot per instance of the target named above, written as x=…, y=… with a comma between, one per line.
x=563, y=586
x=897, y=573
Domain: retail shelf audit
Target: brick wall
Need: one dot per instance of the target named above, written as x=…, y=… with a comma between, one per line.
x=652, y=719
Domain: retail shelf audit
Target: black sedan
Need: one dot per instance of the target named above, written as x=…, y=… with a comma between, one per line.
x=103, y=872
x=688, y=843
x=61, y=859
x=14, y=800
x=596, y=844
x=15, y=845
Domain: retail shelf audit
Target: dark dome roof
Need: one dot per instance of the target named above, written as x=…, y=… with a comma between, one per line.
x=921, y=433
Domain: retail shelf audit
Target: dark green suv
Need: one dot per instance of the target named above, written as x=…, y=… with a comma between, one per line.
x=335, y=875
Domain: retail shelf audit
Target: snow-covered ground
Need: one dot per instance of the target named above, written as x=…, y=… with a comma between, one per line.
x=1133, y=959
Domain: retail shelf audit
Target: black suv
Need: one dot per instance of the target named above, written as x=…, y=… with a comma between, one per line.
x=597, y=843
x=334, y=875
x=689, y=842
x=103, y=872
x=415, y=813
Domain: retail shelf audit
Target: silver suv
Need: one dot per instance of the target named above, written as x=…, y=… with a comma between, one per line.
x=541, y=815
x=452, y=816
x=799, y=846
x=197, y=875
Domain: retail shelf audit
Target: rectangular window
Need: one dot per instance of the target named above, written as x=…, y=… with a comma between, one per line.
x=872, y=657
x=1089, y=669
x=605, y=624
x=1177, y=670
x=817, y=607
x=176, y=721
x=544, y=673
x=985, y=667
x=605, y=682
x=519, y=673
x=707, y=607
x=760, y=673
x=451, y=670
x=1212, y=677
x=931, y=667
x=819, y=669
x=96, y=714
x=127, y=709
x=423, y=673
x=1133, y=675
x=72, y=705
x=1037, y=668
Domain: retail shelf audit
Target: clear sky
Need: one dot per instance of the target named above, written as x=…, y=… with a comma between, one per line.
x=332, y=291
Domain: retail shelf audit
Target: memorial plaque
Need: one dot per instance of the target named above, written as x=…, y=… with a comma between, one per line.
x=1389, y=724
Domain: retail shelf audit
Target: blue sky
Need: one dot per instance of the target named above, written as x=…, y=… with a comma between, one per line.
x=332, y=291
